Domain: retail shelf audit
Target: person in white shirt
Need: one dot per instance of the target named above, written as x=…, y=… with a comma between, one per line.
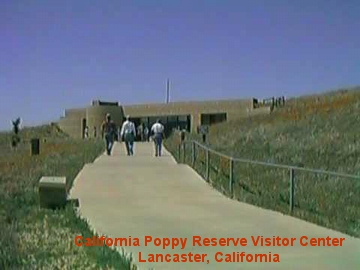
x=86, y=132
x=158, y=130
x=128, y=132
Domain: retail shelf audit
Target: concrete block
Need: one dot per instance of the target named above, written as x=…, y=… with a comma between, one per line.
x=52, y=192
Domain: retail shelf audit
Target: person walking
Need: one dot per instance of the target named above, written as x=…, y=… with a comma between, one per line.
x=119, y=134
x=140, y=131
x=128, y=132
x=158, y=130
x=143, y=132
x=86, y=132
x=146, y=133
x=108, y=129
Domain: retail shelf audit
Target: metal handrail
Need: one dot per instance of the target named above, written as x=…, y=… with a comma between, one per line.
x=232, y=160
x=282, y=166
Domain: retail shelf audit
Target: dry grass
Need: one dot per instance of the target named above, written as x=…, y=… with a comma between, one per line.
x=320, y=132
x=34, y=238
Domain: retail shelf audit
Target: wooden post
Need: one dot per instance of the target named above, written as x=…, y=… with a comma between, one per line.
x=182, y=136
x=272, y=104
x=184, y=152
x=35, y=146
x=207, y=165
x=231, y=177
x=193, y=154
x=292, y=190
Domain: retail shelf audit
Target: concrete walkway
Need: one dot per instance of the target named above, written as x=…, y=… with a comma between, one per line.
x=142, y=196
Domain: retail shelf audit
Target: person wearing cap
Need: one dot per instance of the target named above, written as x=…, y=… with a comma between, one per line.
x=108, y=130
x=158, y=130
x=128, y=132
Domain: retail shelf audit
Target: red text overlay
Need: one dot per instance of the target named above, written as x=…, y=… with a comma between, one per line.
x=180, y=243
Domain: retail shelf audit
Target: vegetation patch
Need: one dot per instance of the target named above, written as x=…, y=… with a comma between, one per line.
x=34, y=238
x=319, y=132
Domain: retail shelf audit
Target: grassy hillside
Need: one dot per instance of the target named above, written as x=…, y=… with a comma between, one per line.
x=34, y=238
x=321, y=132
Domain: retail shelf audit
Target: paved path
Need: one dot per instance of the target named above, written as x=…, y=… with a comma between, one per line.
x=142, y=196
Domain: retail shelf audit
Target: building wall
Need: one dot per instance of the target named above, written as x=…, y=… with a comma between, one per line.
x=95, y=116
x=72, y=122
x=73, y=113
x=233, y=108
x=178, y=108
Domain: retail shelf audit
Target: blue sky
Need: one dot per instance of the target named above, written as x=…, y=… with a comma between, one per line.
x=63, y=54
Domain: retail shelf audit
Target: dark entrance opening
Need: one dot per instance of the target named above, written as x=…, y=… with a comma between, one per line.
x=184, y=122
x=212, y=118
x=170, y=122
x=137, y=122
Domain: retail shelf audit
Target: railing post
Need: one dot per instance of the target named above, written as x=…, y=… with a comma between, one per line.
x=179, y=152
x=231, y=177
x=292, y=190
x=207, y=165
x=193, y=154
x=184, y=152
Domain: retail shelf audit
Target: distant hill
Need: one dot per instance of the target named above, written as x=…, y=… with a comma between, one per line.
x=321, y=131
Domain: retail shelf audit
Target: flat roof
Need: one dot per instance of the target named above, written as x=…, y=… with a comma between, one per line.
x=190, y=102
x=104, y=103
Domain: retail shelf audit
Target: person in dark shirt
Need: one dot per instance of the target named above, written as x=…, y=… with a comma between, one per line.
x=108, y=130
